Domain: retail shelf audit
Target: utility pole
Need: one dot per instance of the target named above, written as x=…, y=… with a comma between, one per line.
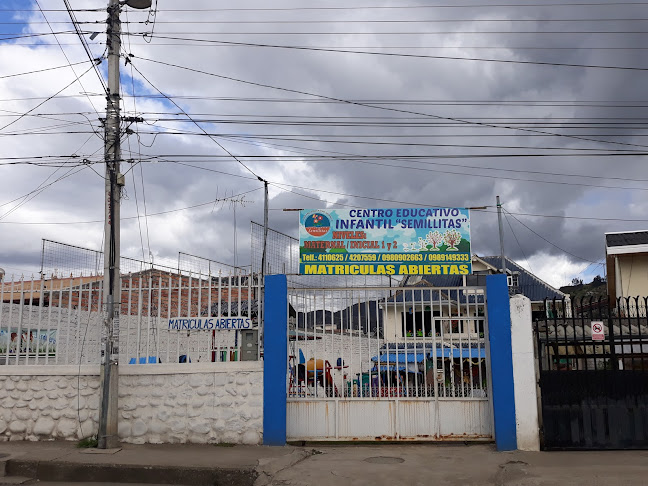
x=265, y=229
x=501, y=234
x=108, y=438
x=108, y=411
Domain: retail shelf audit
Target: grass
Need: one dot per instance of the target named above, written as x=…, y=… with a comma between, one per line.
x=88, y=443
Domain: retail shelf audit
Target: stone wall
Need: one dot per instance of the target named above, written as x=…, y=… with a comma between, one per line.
x=164, y=403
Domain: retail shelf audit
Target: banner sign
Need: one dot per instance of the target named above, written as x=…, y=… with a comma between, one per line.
x=209, y=323
x=402, y=241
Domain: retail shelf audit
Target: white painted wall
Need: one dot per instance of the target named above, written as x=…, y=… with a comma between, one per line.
x=163, y=403
x=524, y=378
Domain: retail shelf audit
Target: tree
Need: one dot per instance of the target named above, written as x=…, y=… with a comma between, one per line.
x=577, y=281
x=435, y=239
x=452, y=238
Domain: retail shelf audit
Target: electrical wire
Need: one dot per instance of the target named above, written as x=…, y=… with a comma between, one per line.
x=159, y=213
x=545, y=239
x=86, y=48
x=47, y=99
x=196, y=123
x=378, y=7
x=41, y=70
x=459, y=120
x=68, y=60
x=405, y=55
x=518, y=243
x=141, y=168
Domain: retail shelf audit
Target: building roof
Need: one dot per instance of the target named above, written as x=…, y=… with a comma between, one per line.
x=626, y=239
x=529, y=285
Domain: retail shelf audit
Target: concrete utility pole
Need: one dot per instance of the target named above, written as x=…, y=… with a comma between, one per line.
x=107, y=437
x=501, y=234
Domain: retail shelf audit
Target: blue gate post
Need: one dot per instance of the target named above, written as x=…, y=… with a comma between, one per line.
x=275, y=359
x=501, y=362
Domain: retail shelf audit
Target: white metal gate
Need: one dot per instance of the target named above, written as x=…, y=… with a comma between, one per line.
x=381, y=363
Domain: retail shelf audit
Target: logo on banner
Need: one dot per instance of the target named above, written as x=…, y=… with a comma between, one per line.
x=317, y=224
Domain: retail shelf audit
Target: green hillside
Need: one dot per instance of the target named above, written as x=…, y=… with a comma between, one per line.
x=578, y=290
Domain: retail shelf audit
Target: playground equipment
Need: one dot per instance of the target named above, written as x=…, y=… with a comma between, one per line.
x=311, y=373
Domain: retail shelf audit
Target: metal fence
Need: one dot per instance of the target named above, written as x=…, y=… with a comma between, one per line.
x=593, y=367
x=59, y=320
x=388, y=364
x=62, y=260
x=206, y=266
x=386, y=342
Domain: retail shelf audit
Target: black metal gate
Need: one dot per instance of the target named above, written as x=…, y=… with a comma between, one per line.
x=594, y=385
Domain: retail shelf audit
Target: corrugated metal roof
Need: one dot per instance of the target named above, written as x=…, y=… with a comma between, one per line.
x=528, y=284
x=626, y=239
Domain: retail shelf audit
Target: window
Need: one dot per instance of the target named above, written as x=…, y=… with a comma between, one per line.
x=420, y=323
x=512, y=280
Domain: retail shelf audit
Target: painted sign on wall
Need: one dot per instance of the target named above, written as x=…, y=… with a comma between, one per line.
x=401, y=241
x=28, y=342
x=209, y=323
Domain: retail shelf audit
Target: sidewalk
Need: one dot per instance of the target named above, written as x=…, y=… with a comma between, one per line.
x=185, y=464
x=324, y=465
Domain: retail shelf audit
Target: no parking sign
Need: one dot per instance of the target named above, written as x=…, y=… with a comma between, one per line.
x=598, y=333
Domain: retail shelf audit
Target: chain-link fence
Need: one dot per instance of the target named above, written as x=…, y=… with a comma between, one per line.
x=205, y=266
x=63, y=260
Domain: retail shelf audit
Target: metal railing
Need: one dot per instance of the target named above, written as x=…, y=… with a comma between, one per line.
x=165, y=317
x=382, y=342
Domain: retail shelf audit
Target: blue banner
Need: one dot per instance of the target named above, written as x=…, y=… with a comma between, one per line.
x=401, y=241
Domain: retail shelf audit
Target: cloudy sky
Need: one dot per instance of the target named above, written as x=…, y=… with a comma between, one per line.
x=366, y=104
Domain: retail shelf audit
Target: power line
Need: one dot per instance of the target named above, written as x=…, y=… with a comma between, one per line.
x=405, y=32
x=41, y=187
x=418, y=47
x=159, y=213
x=47, y=99
x=86, y=48
x=381, y=21
x=416, y=159
x=139, y=151
x=41, y=70
x=375, y=7
x=253, y=83
x=545, y=239
x=93, y=61
x=404, y=202
x=405, y=55
x=518, y=243
x=197, y=124
x=444, y=102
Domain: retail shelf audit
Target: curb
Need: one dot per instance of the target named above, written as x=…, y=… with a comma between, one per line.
x=122, y=473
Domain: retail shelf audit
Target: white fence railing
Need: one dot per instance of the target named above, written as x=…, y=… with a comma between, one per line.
x=166, y=317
